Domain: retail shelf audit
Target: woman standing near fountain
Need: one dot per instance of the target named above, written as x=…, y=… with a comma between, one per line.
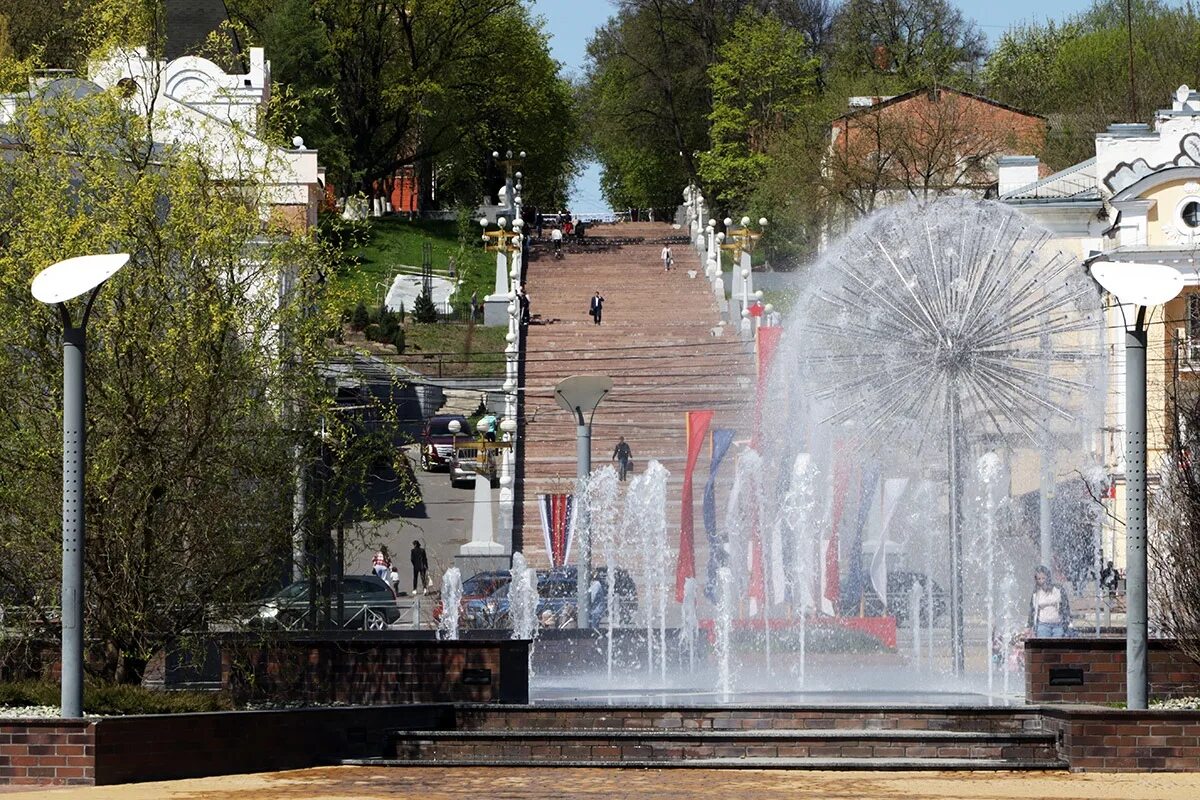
x=1049, y=608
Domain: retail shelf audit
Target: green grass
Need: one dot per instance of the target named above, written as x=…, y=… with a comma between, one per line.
x=396, y=244
x=439, y=350
x=782, y=300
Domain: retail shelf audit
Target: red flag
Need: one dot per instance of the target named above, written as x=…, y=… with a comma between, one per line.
x=832, y=589
x=697, y=432
x=768, y=342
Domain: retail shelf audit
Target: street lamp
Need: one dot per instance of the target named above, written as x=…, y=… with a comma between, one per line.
x=742, y=241
x=55, y=285
x=579, y=395
x=1141, y=286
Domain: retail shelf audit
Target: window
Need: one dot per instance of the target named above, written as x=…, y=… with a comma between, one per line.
x=1191, y=214
x=1193, y=327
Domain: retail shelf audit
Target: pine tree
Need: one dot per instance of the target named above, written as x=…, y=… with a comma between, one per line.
x=423, y=310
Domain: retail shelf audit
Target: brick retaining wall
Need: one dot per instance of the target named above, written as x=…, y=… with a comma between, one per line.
x=1116, y=740
x=47, y=751
x=362, y=668
x=1100, y=663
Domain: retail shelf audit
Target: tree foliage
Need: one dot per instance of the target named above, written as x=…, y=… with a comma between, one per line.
x=429, y=84
x=762, y=83
x=202, y=368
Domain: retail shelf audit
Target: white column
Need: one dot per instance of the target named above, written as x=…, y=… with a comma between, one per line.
x=483, y=535
x=501, y=273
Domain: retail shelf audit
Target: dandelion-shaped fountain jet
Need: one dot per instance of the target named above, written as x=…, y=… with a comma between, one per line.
x=929, y=329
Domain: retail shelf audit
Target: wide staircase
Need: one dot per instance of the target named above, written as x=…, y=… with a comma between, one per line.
x=736, y=737
x=656, y=341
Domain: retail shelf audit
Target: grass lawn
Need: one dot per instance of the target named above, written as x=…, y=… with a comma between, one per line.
x=395, y=246
x=442, y=349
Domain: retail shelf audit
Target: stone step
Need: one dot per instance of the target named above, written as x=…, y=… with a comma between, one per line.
x=657, y=745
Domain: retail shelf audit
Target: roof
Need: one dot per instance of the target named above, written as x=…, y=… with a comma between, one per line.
x=901, y=98
x=1076, y=182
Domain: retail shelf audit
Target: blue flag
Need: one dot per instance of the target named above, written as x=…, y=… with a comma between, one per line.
x=722, y=438
x=856, y=578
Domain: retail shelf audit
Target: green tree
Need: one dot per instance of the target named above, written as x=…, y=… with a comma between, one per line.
x=903, y=44
x=762, y=83
x=426, y=84
x=424, y=311
x=202, y=368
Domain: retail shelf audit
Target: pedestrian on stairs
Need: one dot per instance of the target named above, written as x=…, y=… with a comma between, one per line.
x=667, y=258
x=420, y=565
x=597, y=307
x=623, y=456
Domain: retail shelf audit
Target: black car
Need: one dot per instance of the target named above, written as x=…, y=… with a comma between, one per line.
x=367, y=602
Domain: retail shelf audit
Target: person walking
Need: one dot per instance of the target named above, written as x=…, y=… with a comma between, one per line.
x=1049, y=607
x=667, y=259
x=382, y=563
x=556, y=237
x=597, y=307
x=420, y=565
x=623, y=456
x=523, y=305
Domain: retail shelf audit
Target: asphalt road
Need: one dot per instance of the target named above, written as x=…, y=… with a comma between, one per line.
x=442, y=523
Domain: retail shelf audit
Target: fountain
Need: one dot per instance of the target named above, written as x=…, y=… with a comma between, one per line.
x=928, y=339
x=523, y=599
x=452, y=590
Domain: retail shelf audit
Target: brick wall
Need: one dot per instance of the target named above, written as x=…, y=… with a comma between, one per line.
x=1101, y=663
x=39, y=751
x=364, y=668
x=1115, y=740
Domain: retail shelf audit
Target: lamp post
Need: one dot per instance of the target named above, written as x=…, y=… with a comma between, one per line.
x=579, y=395
x=1140, y=286
x=505, y=243
x=742, y=240
x=55, y=285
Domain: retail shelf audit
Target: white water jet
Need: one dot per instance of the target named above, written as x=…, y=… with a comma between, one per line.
x=915, y=595
x=523, y=599
x=452, y=590
x=603, y=514
x=989, y=468
x=724, y=625
x=689, y=625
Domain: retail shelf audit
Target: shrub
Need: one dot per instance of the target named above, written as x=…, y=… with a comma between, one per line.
x=373, y=331
x=398, y=339
x=360, y=318
x=423, y=310
x=114, y=698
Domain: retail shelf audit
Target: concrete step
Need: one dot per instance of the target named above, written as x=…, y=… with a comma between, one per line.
x=840, y=764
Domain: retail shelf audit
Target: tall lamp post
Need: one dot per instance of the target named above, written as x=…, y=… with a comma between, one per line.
x=742, y=241
x=1140, y=287
x=507, y=246
x=55, y=285
x=579, y=395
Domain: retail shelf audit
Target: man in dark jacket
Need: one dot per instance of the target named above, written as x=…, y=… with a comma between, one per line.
x=622, y=455
x=597, y=307
x=420, y=565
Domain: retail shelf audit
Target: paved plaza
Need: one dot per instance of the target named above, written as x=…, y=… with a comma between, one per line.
x=428, y=783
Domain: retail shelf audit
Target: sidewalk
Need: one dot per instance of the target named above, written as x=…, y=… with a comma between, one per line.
x=429, y=783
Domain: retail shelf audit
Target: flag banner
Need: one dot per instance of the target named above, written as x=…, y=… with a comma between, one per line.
x=768, y=343
x=722, y=438
x=855, y=574
x=831, y=585
x=558, y=525
x=697, y=423
x=893, y=490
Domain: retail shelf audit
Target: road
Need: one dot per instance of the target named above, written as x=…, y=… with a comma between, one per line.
x=442, y=523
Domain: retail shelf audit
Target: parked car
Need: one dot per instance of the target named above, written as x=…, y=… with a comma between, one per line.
x=477, y=587
x=465, y=465
x=367, y=602
x=899, y=584
x=437, y=442
x=557, y=600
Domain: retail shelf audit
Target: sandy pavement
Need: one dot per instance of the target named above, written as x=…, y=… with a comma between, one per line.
x=436, y=783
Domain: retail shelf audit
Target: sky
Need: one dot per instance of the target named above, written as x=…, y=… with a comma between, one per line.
x=570, y=24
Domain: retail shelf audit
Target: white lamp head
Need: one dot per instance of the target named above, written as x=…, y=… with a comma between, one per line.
x=501, y=221
x=745, y=273
x=67, y=279
x=483, y=223
x=522, y=154
x=518, y=223
x=508, y=425
x=712, y=223
x=762, y=222
x=1138, y=284
x=745, y=221
x=495, y=154
x=455, y=426
x=728, y=222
